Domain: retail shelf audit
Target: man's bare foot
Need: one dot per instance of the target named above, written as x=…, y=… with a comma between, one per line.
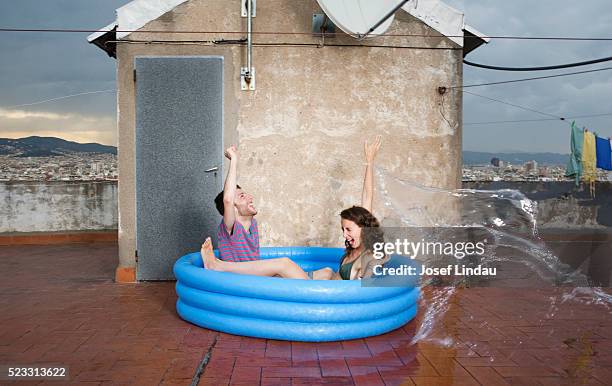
x=208, y=256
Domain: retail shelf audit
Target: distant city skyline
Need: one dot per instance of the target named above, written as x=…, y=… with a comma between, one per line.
x=41, y=66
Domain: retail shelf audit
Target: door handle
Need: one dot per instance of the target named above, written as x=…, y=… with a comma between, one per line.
x=214, y=169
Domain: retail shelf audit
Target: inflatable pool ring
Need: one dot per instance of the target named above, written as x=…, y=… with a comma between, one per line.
x=292, y=309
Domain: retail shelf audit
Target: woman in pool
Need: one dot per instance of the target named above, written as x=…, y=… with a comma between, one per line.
x=360, y=228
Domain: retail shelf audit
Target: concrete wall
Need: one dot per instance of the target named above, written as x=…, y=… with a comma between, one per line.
x=562, y=205
x=300, y=134
x=57, y=206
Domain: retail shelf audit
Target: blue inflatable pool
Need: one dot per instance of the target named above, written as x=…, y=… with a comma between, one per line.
x=288, y=309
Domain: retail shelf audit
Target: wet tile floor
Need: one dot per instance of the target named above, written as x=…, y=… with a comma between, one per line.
x=60, y=306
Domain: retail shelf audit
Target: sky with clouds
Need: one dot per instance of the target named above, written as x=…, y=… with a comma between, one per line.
x=36, y=66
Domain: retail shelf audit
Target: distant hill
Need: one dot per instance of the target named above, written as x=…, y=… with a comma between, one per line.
x=49, y=147
x=482, y=158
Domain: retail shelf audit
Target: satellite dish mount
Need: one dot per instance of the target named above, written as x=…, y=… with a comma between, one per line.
x=362, y=18
x=384, y=19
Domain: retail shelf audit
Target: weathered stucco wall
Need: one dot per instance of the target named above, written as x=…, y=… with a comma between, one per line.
x=57, y=206
x=300, y=133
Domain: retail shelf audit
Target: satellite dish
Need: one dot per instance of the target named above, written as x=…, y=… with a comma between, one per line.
x=357, y=17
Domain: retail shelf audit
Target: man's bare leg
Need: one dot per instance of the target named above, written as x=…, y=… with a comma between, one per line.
x=283, y=267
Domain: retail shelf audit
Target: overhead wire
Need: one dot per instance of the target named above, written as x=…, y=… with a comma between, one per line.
x=589, y=116
x=59, y=98
x=515, y=105
x=537, y=120
x=533, y=78
x=510, y=121
x=85, y=30
x=541, y=68
x=330, y=34
x=554, y=117
x=275, y=44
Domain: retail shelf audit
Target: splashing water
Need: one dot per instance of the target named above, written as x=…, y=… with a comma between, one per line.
x=436, y=306
x=506, y=219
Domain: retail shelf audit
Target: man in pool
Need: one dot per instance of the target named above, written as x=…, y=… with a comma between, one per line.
x=239, y=236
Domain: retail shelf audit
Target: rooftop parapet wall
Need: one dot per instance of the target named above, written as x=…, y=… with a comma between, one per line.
x=91, y=206
x=58, y=206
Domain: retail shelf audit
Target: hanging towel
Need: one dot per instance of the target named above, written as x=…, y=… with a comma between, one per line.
x=589, y=161
x=574, y=165
x=604, y=153
x=588, y=156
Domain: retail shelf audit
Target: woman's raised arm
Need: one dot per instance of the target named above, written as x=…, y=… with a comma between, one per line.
x=367, y=195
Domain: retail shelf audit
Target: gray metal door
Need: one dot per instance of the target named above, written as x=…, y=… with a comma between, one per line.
x=179, y=135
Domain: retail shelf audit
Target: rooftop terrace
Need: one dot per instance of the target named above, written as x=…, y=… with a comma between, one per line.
x=61, y=306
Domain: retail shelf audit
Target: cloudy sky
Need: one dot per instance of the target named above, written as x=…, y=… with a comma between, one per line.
x=40, y=66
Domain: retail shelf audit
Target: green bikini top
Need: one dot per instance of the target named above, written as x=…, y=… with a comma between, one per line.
x=345, y=269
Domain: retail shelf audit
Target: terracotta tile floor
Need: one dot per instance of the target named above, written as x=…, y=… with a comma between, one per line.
x=59, y=305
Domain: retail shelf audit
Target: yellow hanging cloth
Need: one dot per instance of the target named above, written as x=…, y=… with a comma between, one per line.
x=589, y=161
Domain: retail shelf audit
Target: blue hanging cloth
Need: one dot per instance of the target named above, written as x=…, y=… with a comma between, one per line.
x=604, y=153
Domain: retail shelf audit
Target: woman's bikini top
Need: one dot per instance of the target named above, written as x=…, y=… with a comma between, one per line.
x=345, y=269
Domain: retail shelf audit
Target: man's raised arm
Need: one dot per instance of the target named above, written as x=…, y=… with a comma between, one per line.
x=229, y=189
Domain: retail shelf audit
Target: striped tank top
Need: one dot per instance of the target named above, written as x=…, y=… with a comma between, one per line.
x=240, y=245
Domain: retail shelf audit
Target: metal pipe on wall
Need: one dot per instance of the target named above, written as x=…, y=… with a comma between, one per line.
x=249, y=39
x=247, y=73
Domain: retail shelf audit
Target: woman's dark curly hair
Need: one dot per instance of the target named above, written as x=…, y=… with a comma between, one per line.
x=371, y=232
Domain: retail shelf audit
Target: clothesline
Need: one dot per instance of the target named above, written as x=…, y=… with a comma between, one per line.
x=594, y=132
